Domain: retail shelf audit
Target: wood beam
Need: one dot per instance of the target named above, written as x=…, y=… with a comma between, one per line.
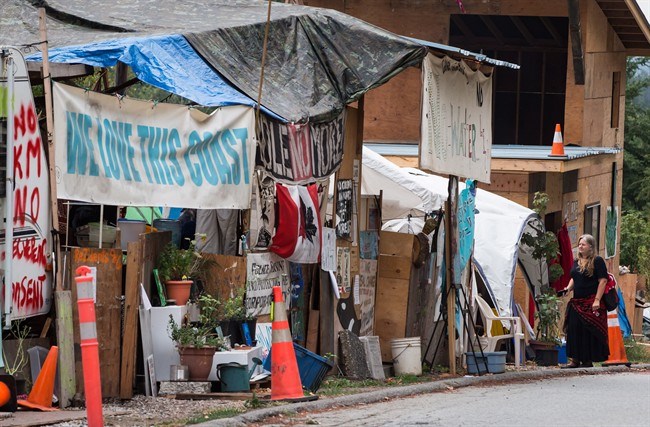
x=498, y=35
x=58, y=71
x=524, y=30
x=552, y=31
x=576, y=42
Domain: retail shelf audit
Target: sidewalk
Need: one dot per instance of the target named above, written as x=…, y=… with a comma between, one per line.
x=410, y=390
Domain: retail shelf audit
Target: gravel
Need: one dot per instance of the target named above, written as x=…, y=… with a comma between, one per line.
x=155, y=411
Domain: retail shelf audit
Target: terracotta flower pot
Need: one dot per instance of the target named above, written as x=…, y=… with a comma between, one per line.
x=178, y=290
x=198, y=361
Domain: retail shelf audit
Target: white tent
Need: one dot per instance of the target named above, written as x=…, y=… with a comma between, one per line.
x=499, y=221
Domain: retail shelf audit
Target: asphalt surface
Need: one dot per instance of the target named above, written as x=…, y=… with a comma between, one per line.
x=511, y=377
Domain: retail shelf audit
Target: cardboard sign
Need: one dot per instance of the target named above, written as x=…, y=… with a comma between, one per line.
x=456, y=123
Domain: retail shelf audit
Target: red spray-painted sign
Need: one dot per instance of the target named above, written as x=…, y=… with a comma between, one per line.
x=31, y=283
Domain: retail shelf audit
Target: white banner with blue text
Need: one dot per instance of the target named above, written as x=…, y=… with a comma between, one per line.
x=121, y=151
x=456, y=127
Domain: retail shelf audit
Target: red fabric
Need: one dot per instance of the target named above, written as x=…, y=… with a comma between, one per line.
x=565, y=258
x=595, y=321
x=531, y=310
x=287, y=214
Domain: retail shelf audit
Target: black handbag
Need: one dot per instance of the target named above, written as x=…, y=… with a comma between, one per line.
x=610, y=297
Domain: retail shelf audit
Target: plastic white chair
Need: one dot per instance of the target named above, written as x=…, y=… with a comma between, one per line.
x=488, y=341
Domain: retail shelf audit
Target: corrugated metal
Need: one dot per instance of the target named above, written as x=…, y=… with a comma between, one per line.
x=525, y=152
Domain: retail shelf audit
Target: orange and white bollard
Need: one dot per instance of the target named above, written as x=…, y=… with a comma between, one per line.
x=89, y=346
x=617, y=355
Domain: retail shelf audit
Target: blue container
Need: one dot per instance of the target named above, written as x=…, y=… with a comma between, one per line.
x=172, y=225
x=496, y=362
x=561, y=354
x=311, y=367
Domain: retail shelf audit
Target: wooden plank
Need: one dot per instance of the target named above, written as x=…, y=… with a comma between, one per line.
x=391, y=243
x=627, y=283
x=327, y=307
x=58, y=70
x=394, y=267
x=107, y=311
x=391, y=302
x=131, y=303
x=152, y=245
x=227, y=275
x=66, y=343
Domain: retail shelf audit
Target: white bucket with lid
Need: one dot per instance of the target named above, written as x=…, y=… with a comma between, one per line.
x=407, y=355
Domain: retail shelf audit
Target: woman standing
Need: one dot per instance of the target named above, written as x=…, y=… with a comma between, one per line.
x=586, y=318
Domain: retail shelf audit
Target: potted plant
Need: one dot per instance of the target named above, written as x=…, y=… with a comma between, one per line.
x=178, y=268
x=233, y=316
x=545, y=248
x=197, y=342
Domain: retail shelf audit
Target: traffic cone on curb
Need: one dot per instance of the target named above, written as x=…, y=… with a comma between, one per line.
x=41, y=395
x=285, y=378
x=557, y=149
x=617, y=355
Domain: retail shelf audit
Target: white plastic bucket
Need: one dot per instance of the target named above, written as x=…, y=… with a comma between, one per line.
x=407, y=355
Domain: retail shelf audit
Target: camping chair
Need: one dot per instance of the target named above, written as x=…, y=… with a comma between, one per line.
x=489, y=341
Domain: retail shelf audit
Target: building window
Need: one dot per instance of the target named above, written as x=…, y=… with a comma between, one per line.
x=592, y=222
x=530, y=101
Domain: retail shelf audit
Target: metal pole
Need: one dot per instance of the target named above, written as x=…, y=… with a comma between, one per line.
x=9, y=185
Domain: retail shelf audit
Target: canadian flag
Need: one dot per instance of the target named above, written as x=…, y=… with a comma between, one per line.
x=298, y=233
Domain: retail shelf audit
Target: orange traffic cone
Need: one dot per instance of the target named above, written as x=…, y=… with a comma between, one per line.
x=285, y=378
x=617, y=355
x=41, y=395
x=558, y=146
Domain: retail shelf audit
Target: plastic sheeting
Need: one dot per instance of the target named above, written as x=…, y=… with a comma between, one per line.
x=318, y=60
x=167, y=62
x=499, y=221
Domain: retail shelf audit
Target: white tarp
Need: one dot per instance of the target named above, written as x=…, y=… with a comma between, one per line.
x=456, y=125
x=121, y=151
x=499, y=221
x=30, y=286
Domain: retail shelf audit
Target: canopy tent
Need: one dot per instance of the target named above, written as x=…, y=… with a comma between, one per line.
x=500, y=222
x=318, y=60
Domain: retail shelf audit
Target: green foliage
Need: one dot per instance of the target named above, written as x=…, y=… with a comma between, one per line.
x=182, y=264
x=234, y=308
x=636, y=166
x=201, y=334
x=635, y=242
x=635, y=352
x=548, y=313
x=215, y=415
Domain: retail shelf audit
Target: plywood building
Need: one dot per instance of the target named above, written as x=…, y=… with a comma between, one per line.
x=572, y=56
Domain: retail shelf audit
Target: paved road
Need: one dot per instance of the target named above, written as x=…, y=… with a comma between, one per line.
x=595, y=400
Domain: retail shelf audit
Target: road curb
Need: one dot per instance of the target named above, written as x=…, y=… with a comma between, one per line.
x=415, y=389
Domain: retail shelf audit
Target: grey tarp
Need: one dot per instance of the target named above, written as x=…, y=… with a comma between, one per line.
x=318, y=59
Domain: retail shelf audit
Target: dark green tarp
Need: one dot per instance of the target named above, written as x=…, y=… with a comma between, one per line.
x=318, y=59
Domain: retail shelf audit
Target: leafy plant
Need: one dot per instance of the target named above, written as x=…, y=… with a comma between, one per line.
x=548, y=312
x=635, y=242
x=201, y=334
x=234, y=308
x=182, y=264
x=545, y=248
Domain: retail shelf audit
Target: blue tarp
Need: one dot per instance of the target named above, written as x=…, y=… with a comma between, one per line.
x=166, y=62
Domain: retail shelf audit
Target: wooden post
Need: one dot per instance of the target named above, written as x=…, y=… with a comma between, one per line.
x=62, y=298
x=450, y=247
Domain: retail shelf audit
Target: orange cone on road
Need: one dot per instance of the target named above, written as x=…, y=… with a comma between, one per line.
x=617, y=355
x=41, y=395
x=285, y=378
x=558, y=145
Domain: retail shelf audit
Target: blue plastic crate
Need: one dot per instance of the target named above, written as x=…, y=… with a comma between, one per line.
x=311, y=367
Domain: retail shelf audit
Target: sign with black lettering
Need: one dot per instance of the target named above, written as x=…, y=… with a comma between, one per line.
x=264, y=271
x=301, y=153
x=343, y=208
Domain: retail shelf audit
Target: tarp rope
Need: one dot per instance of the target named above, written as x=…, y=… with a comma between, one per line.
x=264, y=48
